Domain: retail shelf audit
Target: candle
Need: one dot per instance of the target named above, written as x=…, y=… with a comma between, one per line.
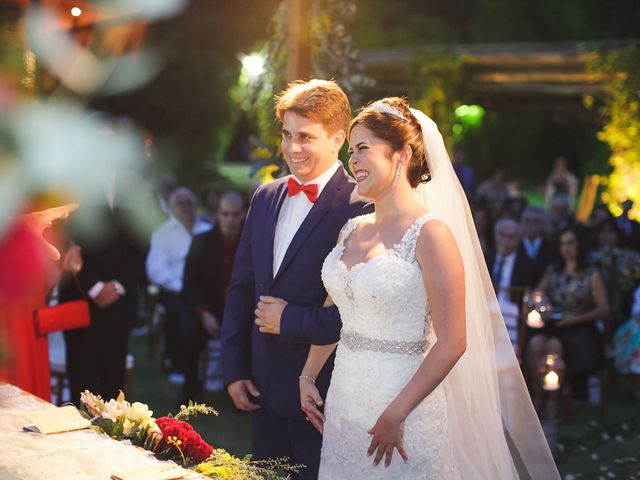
x=551, y=381
x=534, y=320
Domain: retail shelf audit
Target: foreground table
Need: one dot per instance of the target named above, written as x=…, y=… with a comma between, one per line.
x=79, y=455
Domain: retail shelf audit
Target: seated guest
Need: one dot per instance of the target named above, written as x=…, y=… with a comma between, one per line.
x=619, y=267
x=165, y=262
x=511, y=272
x=538, y=250
x=206, y=279
x=579, y=298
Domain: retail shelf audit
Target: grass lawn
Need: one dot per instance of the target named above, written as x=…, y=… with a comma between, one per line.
x=590, y=449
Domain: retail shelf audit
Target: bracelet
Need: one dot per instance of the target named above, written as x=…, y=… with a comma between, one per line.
x=311, y=379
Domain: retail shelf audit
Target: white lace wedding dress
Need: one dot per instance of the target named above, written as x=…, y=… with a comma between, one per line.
x=386, y=332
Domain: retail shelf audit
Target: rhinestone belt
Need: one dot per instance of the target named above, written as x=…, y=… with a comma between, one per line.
x=357, y=342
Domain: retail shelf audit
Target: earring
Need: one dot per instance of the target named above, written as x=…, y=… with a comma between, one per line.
x=398, y=173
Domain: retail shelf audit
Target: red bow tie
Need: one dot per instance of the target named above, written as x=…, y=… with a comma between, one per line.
x=310, y=190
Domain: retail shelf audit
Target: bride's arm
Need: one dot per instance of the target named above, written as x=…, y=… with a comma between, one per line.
x=310, y=400
x=443, y=277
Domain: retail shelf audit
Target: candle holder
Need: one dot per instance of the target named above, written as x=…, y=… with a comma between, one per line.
x=539, y=310
x=535, y=305
x=550, y=371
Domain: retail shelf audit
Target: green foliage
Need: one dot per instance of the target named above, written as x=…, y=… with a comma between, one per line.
x=441, y=86
x=621, y=130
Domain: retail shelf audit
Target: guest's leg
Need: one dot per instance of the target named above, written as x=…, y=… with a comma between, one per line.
x=306, y=443
x=173, y=304
x=192, y=339
x=81, y=349
x=114, y=343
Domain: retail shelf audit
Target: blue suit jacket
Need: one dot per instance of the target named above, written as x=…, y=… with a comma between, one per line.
x=274, y=362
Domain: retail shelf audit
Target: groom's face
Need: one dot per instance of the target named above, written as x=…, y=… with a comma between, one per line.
x=307, y=147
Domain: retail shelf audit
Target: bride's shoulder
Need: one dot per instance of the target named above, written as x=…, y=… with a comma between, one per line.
x=434, y=234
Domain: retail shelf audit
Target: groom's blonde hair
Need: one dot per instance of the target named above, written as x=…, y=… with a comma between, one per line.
x=322, y=101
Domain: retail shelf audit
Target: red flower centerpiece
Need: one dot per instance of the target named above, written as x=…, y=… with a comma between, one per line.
x=181, y=442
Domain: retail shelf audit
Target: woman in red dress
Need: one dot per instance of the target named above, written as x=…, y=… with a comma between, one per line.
x=26, y=261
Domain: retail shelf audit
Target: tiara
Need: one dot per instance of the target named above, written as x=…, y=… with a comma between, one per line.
x=384, y=107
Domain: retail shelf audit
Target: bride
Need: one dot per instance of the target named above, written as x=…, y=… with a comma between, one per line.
x=424, y=366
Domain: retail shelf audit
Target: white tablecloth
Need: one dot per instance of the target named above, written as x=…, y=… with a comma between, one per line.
x=79, y=455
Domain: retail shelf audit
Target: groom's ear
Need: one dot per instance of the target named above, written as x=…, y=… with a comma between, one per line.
x=339, y=137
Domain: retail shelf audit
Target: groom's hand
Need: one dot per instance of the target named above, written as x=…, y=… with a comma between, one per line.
x=268, y=312
x=239, y=394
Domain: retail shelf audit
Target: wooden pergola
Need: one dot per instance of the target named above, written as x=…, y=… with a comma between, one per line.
x=540, y=77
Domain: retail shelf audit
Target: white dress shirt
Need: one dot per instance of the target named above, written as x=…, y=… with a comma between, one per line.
x=532, y=246
x=293, y=212
x=168, y=252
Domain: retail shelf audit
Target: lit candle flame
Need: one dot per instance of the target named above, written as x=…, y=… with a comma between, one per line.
x=551, y=381
x=534, y=320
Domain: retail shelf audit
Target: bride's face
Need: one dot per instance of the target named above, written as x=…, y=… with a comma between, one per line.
x=372, y=162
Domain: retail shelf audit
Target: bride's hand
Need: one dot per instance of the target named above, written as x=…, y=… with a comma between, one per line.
x=310, y=402
x=388, y=433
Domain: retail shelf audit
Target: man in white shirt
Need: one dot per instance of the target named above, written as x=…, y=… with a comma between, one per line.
x=166, y=259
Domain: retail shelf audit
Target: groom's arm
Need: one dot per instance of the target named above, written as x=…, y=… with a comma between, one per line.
x=311, y=325
x=238, y=312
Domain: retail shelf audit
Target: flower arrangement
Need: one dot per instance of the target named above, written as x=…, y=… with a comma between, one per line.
x=173, y=438
x=122, y=420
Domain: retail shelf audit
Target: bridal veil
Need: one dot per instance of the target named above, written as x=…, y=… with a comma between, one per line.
x=494, y=428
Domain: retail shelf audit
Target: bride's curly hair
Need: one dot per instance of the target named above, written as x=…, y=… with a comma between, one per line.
x=390, y=120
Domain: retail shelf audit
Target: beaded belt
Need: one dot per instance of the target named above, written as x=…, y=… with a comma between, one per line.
x=357, y=342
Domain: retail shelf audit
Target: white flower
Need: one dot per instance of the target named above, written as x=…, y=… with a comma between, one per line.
x=151, y=425
x=139, y=412
x=115, y=410
x=93, y=403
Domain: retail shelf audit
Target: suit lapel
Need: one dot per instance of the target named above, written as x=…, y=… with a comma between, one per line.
x=327, y=199
x=270, y=231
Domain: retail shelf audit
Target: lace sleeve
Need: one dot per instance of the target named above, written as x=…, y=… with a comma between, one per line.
x=349, y=227
x=407, y=247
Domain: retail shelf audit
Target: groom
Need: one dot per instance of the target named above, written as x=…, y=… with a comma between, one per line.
x=292, y=224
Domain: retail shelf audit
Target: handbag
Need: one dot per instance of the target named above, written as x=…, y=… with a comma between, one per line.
x=64, y=316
